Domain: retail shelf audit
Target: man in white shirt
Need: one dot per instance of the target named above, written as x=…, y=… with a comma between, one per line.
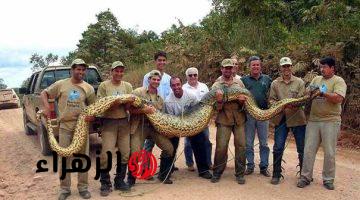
x=198, y=89
x=177, y=103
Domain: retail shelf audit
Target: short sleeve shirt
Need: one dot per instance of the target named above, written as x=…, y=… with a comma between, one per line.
x=72, y=99
x=259, y=89
x=164, y=87
x=199, y=91
x=154, y=99
x=177, y=106
x=281, y=90
x=107, y=88
x=232, y=112
x=323, y=110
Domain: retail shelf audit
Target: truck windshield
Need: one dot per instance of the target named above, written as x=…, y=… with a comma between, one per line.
x=50, y=77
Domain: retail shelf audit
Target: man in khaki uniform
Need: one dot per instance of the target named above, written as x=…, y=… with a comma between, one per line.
x=142, y=129
x=116, y=129
x=72, y=95
x=324, y=124
x=235, y=69
x=292, y=118
x=230, y=118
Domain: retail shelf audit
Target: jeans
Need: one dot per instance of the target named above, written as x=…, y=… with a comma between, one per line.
x=281, y=133
x=188, y=151
x=261, y=127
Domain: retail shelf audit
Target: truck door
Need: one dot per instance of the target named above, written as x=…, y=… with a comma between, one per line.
x=31, y=100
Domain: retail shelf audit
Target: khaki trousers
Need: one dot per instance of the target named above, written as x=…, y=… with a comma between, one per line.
x=326, y=134
x=115, y=135
x=145, y=131
x=65, y=138
x=223, y=134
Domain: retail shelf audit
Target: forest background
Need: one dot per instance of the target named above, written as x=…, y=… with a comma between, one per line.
x=304, y=30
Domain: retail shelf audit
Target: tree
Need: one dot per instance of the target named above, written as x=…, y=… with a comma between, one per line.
x=39, y=61
x=2, y=84
x=104, y=41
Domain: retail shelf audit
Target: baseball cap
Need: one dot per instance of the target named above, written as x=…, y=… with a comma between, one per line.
x=228, y=62
x=79, y=61
x=285, y=61
x=154, y=73
x=191, y=70
x=117, y=64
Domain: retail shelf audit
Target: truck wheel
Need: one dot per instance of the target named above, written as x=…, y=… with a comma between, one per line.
x=44, y=141
x=28, y=130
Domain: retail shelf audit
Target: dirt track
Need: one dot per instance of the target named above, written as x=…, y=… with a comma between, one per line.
x=19, y=154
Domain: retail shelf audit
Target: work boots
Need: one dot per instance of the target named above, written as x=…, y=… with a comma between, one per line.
x=119, y=183
x=130, y=179
x=105, y=187
x=165, y=170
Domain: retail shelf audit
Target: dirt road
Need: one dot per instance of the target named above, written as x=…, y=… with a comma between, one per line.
x=19, y=154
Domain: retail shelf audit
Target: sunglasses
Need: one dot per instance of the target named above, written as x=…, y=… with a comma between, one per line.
x=286, y=66
x=192, y=75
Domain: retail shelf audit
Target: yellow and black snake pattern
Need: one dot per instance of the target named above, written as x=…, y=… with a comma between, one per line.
x=189, y=124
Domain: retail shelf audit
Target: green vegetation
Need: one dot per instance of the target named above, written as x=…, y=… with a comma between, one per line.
x=303, y=30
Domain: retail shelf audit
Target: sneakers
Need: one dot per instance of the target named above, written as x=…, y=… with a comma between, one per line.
x=265, y=172
x=206, y=175
x=240, y=180
x=302, y=183
x=64, y=196
x=191, y=168
x=329, y=185
x=215, y=179
x=249, y=171
x=85, y=194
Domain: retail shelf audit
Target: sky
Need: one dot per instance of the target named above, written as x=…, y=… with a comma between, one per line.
x=47, y=26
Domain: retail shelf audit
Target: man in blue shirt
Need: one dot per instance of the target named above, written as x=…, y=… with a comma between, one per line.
x=163, y=89
x=259, y=85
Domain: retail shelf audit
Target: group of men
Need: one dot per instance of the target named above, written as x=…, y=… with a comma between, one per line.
x=126, y=128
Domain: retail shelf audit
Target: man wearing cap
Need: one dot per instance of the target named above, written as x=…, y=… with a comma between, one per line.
x=141, y=127
x=198, y=89
x=292, y=118
x=164, y=89
x=115, y=130
x=73, y=95
x=178, y=102
x=259, y=85
x=230, y=118
x=324, y=124
x=234, y=70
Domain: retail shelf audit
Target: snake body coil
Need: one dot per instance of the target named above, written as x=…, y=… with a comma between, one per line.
x=190, y=124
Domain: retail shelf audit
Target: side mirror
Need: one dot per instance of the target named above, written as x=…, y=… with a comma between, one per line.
x=23, y=91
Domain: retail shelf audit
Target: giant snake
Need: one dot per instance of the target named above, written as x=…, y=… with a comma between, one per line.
x=189, y=124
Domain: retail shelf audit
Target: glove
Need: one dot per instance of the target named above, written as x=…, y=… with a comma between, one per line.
x=323, y=89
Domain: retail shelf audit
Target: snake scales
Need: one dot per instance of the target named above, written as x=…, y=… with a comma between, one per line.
x=191, y=123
